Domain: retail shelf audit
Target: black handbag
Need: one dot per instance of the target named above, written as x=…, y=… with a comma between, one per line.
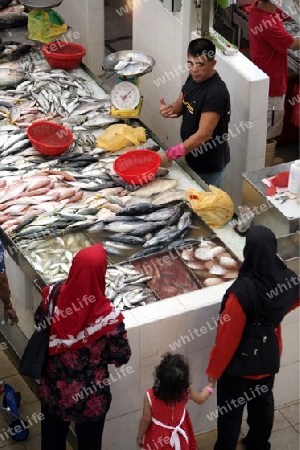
x=34, y=357
x=258, y=351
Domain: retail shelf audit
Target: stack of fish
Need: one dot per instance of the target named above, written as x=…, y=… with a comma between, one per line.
x=52, y=257
x=78, y=189
x=127, y=288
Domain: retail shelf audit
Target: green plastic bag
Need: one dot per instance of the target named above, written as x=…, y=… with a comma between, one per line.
x=45, y=25
x=223, y=3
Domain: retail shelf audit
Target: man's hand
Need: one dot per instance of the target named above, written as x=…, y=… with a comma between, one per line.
x=176, y=151
x=165, y=110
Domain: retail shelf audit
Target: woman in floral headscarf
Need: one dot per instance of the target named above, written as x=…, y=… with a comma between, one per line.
x=86, y=334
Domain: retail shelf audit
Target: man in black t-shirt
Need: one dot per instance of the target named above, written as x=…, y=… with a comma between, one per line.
x=204, y=104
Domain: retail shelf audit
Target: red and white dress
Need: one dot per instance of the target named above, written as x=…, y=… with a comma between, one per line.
x=171, y=427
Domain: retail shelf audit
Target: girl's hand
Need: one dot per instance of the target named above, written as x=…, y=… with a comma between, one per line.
x=139, y=441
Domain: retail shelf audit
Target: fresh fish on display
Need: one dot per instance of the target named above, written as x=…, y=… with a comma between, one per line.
x=9, y=78
x=168, y=196
x=122, y=290
x=52, y=257
x=161, y=214
x=154, y=186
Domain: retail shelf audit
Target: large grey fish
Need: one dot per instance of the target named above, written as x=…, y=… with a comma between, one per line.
x=166, y=239
x=147, y=227
x=161, y=214
x=139, y=208
x=126, y=238
x=146, y=252
x=9, y=78
x=159, y=236
x=123, y=226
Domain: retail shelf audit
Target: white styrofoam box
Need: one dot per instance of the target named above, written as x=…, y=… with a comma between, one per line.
x=257, y=138
x=121, y=432
x=290, y=343
x=161, y=334
x=121, y=384
x=286, y=389
x=258, y=104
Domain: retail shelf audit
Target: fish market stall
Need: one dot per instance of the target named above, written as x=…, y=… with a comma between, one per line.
x=51, y=206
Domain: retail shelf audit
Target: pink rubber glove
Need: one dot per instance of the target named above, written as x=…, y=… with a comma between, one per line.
x=176, y=151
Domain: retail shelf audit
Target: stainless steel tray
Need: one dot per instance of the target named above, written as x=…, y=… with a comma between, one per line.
x=40, y=4
x=138, y=63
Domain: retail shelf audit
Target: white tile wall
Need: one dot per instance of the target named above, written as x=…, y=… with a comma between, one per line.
x=87, y=18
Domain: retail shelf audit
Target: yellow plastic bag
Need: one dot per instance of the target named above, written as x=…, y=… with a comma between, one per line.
x=119, y=135
x=45, y=25
x=215, y=207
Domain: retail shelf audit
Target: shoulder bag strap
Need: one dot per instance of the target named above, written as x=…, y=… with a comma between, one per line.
x=53, y=296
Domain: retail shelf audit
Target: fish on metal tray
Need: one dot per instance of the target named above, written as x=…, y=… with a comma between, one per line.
x=146, y=252
x=168, y=196
x=155, y=186
x=147, y=227
x=126, y=239
x=161, y=214
x=123, y=226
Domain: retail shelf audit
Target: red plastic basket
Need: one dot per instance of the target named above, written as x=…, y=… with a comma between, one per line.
x=63, y=55
x=137, y=166
x=49, y=138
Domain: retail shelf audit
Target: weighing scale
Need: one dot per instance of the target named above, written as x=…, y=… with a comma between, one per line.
x=125, y=96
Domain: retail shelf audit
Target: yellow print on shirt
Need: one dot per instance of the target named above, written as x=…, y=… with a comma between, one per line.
x=189, y=107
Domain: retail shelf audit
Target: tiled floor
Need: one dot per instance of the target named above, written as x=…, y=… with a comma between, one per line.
x=285, y=433
x=28, y=410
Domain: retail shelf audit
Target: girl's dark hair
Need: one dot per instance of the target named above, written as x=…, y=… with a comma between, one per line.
x=202, y=47
x=171, y=378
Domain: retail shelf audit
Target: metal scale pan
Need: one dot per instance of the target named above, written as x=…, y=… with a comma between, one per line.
x=128, y=63
x=40, y=4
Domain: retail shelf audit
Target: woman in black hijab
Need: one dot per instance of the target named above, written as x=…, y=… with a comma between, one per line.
x=266, y=281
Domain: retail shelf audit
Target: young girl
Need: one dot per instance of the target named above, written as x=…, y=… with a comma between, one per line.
x=165, y=423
